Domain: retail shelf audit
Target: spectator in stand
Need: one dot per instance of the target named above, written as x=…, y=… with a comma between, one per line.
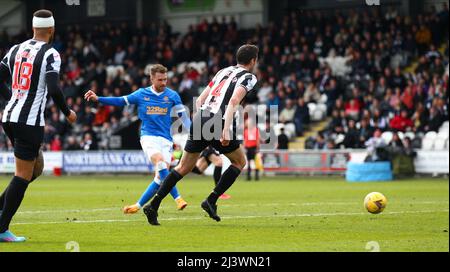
x=332, y=92
x=330, y=145
x=423, y=38
x=287, y=115
x=365, y=132
x=408, y=149
x=434, y=121
x=294, y=54
x=283, y=140
x=351, y=139
x=312, y=94
x=379, y=121
x=423, y=65
x=419, y=117
x=396, y=144
x=320, y=142
x=376, y=148
x=263, y=93
x=408, y=97
x=401, y=122
x=102, y=115
x=353, y=108
x=88, y=143
x=398, y=80
x=273, y=100
x=301, y=117
x=72, y=144
x=437, y=68
x=88, y=117
x=336, y=120
x=56, y=144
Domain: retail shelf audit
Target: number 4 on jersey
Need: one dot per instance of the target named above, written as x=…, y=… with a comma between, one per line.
x=218, y=89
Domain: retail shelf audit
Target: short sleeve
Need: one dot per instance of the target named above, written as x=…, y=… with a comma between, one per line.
x=213, y=81
x=53, y=62
x=133, y=98
x=5, y=60
x=247, y=81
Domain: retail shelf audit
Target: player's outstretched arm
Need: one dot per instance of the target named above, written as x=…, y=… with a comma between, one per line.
x=202, y=98
x=58, y=97
x=111, y=101
x=235, y=100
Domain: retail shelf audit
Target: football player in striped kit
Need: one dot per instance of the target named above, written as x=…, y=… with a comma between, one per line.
x=214, y=124
x=33, y=68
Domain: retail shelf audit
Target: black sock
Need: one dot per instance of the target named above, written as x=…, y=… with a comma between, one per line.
x=167, y=185
x=2, y=199
x=217, y=174
x=13, y=198
x=227, y=179
x=256, y=174
x=196, y=171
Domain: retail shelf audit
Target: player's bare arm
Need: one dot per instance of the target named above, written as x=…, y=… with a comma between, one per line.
x=235, y=100
x=202, y=98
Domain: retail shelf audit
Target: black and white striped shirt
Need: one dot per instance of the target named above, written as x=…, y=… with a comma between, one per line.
x=28, y=64
x=223, y=85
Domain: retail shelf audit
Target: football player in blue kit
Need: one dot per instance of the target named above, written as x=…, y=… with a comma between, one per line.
x=156, y=104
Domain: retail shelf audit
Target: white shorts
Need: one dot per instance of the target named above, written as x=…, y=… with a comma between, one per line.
x=155, y=144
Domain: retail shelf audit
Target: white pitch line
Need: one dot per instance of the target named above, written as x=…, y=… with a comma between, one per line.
x=224, y=217
x=225, y=206
x=69, y=211
x=320, y=204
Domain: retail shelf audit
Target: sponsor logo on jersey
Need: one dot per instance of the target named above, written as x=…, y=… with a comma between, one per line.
x=155, y=110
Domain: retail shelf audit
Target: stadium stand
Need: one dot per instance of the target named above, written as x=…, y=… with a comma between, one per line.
x=340, y=74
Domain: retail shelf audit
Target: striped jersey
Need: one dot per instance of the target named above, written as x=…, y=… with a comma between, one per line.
x=28, y=63
x=223, y=86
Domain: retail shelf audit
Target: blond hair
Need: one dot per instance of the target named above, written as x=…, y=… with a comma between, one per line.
x=158, y=68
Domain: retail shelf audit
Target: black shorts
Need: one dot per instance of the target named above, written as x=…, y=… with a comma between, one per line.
x=26, y=140
x=208, y=152
x=197, y=141
x=251, y=153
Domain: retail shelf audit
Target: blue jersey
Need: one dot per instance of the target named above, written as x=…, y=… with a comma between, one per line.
x=156, y=110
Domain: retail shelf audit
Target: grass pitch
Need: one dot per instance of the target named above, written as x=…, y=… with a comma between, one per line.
x=275, y=214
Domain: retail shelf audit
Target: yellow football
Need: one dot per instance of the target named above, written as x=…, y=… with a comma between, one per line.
x=375, y=202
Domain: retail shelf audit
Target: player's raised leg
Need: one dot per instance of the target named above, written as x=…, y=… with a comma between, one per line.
x=200, y=166
x=166, y=156
x=208, y=156
x=161, y=170
x=145, y=197
x=186, y=165
x=238, y=162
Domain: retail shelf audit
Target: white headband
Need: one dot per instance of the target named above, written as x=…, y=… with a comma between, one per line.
x=39, y=22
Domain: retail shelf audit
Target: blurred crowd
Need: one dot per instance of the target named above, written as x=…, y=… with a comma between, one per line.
x=353, y=61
